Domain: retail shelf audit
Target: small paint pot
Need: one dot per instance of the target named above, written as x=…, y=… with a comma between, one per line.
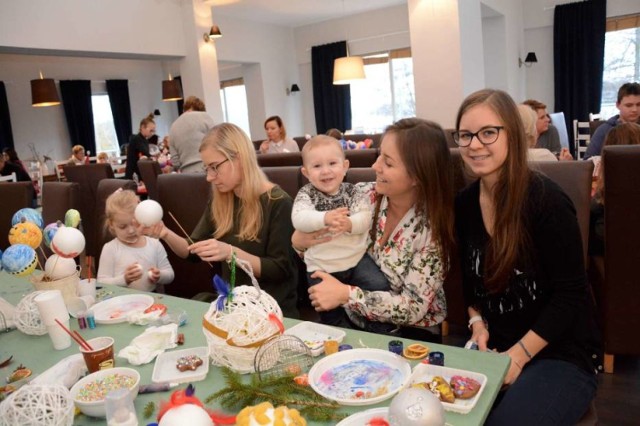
x=396, y=347
x=344, y=348
x=330, y=347
x=436, y=358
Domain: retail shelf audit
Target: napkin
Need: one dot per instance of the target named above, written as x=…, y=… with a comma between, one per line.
x=151, y=343
x=7, y=311
x=142, y=318
x=65, y=372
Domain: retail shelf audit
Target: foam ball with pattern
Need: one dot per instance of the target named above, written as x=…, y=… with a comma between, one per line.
x=28, y=215
x=19, y=259
x=25, y=233
x=68, y=242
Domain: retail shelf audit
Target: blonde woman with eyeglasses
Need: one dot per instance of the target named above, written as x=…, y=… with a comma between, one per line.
x=250, y=218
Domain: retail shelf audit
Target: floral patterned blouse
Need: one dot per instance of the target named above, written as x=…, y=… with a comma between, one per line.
x=412, y=263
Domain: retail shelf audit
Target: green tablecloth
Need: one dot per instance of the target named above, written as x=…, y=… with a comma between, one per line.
x=37, y=353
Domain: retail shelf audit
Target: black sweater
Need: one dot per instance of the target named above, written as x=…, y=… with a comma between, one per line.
x=547, y=292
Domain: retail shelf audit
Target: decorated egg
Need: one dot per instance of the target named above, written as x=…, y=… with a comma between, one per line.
x=148, y=213
x=25, y=233
x=49, y=231
x=68, y=242
x=72, y=218
x=58, y=267
x=28, y=215
x=19, y=259
x=416, y=407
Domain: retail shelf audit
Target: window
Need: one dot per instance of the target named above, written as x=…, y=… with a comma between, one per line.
x=386, y=95
x=106, y=139
x=621, y=60
x=234, y=103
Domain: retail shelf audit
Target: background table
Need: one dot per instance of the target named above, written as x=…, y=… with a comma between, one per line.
x=37, y=353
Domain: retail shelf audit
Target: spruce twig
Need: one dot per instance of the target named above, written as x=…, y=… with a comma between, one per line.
x=149, y=409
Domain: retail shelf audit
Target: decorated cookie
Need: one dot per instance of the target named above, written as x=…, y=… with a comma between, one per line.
x=464, y=387
x=188, y=362
x=442, y=390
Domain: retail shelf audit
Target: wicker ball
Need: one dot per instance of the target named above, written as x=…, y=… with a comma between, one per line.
x=38, y=405
x=27, y=316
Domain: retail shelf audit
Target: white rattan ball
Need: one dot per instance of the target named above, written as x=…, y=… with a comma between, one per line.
x=38, y=405
x=27, y=316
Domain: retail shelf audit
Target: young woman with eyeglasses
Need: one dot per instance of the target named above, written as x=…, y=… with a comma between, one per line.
x=523, y=270
x=251, y=218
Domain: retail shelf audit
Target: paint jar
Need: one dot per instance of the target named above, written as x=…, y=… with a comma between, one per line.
x=396, y=347
x=330, y=347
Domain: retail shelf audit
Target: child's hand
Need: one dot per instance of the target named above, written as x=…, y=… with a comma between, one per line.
x=333, y=217
x=154, y=274
x=132, y=273
x=341, y=225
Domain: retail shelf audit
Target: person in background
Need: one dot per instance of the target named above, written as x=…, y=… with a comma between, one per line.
x=249, y=221
x=131, y=259
x=529, y=119
x=164, y=159
x=548, y=137
x=277, y=140
x=628, y=105
x=78, y=156
x=138, y=146
x=8, y=167
x=411, y=239
x=334, y=133
x=11, y=155
x=102, y=158
x=523, y=272
x=186, y=135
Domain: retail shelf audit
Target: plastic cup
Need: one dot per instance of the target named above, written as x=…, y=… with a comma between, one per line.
x=87, y=288
x=101, y=357
x=51, y=307
x=75, y=305
x=119, y=408
x=60, y=339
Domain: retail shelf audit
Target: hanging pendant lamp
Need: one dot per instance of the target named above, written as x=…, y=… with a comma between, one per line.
x=44, y=92
x=347, y=69
x=171, y=90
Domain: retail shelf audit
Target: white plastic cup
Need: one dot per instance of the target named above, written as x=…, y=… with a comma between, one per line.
x=120, y=409
x=87, y=288
x=75, y=305
x=59, y=337
x=51, y=307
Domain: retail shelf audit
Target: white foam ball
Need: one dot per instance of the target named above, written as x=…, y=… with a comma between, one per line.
x=68, y=242
x=416, y=407
x=58, y=267
x=148, y=213
x=186, y=414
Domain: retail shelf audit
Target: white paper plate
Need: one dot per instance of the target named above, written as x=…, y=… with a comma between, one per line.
x=165, y=371
x=363, y=417
x=116, y=309
x=314, y=335
x=426, y=373
x=360, y=376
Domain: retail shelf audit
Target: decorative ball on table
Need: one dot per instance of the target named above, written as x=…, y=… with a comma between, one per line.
x=68, y=242
x=27, y=316
x=58, y=267
x=72, y=218
x=50, y=231
x=148, y=212
x=184, y=408
x=37, y=405
x=25, y=233
x=19, y=259
x=265, y=414
x=28, y=215
x=416, y=407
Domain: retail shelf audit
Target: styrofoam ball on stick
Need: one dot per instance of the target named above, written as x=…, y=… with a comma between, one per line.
x=49, y=232
x=148, y=213
x=72, y=218
x=68, y=242
x=19, y=259
x=58, y=267
x=28, y=215
x=26, y=233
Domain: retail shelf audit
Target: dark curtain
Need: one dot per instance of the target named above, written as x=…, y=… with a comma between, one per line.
x=118, y=91
x=578, y=55
x=180, y=103
x=76, y=98
x=332, y=103
x=6, y=134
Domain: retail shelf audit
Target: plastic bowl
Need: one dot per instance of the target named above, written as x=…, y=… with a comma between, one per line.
x=96, y=408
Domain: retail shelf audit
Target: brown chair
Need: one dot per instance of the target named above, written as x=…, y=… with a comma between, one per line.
x=361, y=157
x=280, y=159
x=57, y=198
x=149, y=171
x=14, y=196
x=289, y=178
x=185, y=195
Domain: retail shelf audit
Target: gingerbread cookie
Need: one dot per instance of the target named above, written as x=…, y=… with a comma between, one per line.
x=188, y=362
x=464, y=387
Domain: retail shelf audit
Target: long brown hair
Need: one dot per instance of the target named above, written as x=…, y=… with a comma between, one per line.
x=622, y=134
x=423, y=149
x=510, y=240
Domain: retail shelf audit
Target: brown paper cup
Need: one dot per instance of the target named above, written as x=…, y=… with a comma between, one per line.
x=101, y=357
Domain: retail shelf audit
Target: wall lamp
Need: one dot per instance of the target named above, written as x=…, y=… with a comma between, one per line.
x=171, y=90
x=44, y=92
x=528, y=61
x=213, y=34
x=294, y=88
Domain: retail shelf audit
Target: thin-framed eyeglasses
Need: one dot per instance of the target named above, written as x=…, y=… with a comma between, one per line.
x=212, y=169
x=487, y=135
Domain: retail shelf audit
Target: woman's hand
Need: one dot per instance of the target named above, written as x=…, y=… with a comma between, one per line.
x=157, y=231
x=329, y=293
x=211, y=250
x=264, y=147
x=515, y=368
x=303, y=240
x=132, y=273
x=480, y=336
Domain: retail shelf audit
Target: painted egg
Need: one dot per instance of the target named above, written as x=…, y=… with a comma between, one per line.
x=26, y=233
x=49, y=231
x=148, y=213
x=28, y=215
x=19, y=259
x=186, y=414
x=68, y=242
x=72, y=218
x=58, y=267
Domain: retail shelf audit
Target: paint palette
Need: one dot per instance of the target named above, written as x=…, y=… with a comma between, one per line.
x=360, y=376
x=314, y=335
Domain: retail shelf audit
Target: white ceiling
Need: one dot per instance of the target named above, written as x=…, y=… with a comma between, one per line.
x=295, y=13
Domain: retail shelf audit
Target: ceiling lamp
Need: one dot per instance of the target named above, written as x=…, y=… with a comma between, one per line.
x=347, y=69
x=44, y=92
x=171, y=90
x=213, y=34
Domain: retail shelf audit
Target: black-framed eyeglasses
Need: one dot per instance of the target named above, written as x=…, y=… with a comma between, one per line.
x=487, y=135
x=212, y=169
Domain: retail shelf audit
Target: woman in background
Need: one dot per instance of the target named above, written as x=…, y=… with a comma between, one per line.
x=277, y=140
x=139, y=146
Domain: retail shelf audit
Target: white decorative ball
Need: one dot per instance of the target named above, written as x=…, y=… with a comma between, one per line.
x=416, y=407
x=148, y=213
x=38, y=405
x=186, y=414
x=58, y=267
x=68, y=242
x=27, y=317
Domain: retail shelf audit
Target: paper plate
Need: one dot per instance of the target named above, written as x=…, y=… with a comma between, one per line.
x=360, y=376
x=364, y=417
x=165, y=370
x=116, y=309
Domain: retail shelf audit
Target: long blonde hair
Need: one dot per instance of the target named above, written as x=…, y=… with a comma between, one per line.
x=233, y=143
x=121, y=201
